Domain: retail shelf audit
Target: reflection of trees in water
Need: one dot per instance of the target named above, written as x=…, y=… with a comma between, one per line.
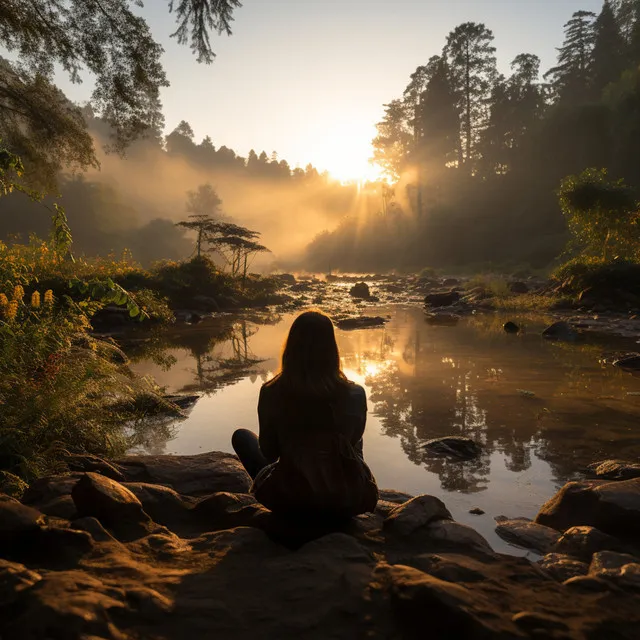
x=415, y=413
x=220, y=349
x=468, y=381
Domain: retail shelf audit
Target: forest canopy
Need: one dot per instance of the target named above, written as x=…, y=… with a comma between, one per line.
x=478, y=156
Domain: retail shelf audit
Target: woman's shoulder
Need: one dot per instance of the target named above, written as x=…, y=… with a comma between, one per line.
x=355, y=389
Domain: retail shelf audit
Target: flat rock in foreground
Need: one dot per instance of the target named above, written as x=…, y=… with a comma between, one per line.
x=406, y=571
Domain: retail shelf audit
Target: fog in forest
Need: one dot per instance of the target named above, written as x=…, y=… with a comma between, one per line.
x=469, y=170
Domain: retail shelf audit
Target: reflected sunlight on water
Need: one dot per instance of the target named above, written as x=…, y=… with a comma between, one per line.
x=541, y=410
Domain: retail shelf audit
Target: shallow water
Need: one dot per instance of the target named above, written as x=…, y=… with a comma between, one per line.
x=542, y=410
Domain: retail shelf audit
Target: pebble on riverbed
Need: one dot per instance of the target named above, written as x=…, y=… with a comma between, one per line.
x=477, y=511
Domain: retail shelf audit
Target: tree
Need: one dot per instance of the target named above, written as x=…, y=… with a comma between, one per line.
x=394, y=140
x=104, y=39
x=438, y=120
x=180, y=142
x=235, y=244
x=571, y=77
x=203, y=205
x=517, y=105
x=609, y=50
x=470, y=55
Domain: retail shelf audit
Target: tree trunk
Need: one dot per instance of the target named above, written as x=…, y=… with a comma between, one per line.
x=467, y=91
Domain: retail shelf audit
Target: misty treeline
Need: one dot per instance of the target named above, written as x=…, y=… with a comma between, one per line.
x=477, y=157
x=133, y=201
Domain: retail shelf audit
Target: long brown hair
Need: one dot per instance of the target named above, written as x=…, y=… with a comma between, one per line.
x=310, y=359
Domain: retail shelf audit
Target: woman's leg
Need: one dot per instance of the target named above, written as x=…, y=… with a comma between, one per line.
x=245, y=444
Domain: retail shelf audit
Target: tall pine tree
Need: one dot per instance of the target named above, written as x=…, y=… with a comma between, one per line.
x=470, y=54
x=570, y=80
x=609, y=51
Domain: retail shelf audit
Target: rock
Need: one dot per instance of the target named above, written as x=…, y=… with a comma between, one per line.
x=453, y=611
x=196, y=475
x=630, y=362
x=93, y=527
x=450, y=282
x=562, y=567
x=511, y=327
x=612, y=507
x=476, y=511
x=52, y=495
x=391, y=495
x=285, y=278
x=14, y=579
x=415, y=515
x=442, y=299
x=450, y=534
x=527, y=534
x=532, y=621
x=519, y=287
x=615, y=470
x=183, y=402
x=86, y=462
x=360, y=290
x=161, y=503
x=583, y=542
x=604, y=561
x=442, y=319
x=225, y=510
x=115, y=506
x=456, y=446
x=560, y=331
x=362, y=322
x=16, y=521
x=587, y=584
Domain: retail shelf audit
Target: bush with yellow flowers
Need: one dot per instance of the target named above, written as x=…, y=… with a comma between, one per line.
x=60, y=388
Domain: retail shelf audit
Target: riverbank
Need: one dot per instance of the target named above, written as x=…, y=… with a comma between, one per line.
x=174, y=547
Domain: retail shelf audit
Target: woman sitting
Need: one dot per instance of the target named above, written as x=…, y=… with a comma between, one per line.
x=308, y=457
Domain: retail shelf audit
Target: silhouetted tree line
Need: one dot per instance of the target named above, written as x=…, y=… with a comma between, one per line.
x=478, y=156
x=105, y=218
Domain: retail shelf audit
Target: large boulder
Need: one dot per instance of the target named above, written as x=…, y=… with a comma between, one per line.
x=52, y=495
x=583, y=542
x=612, y=507
x=562, y=567
x=164, y=505
x=115, y=506
x=196, y=475
x=414, y=516
x=525, y=533
x=16, y=521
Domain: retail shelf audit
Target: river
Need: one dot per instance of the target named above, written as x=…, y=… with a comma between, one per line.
x=542, y=410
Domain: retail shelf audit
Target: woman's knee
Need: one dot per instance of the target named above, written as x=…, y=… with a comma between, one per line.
x=241, y=437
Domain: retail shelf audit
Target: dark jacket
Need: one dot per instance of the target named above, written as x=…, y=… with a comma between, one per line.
x=314, y=446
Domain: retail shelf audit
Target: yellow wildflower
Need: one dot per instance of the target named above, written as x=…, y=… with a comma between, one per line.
x=35, y=299
x=4, y=301
x=48, y=296
x=12, y=310
x=18, y=293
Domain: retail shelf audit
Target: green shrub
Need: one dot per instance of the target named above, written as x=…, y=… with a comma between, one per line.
x=60, y=388
x=606, y=276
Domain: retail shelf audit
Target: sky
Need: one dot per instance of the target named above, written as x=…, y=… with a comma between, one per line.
x=309, y=78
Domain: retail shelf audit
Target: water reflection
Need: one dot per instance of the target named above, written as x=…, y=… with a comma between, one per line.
x=542, y=411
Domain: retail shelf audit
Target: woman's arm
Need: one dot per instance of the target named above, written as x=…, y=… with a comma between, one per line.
x=268, y=435
x=357, y=413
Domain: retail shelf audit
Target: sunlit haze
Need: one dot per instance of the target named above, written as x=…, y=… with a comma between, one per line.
x=308, y=78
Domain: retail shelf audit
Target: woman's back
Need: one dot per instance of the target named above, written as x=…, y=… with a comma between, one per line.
x=295, y=424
